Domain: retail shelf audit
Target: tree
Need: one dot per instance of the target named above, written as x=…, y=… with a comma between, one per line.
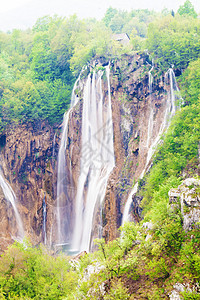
x=190, y=83
x=165, y=12
x=110, y=13
x=28, y=272
x=174, y=41
x=187, y=9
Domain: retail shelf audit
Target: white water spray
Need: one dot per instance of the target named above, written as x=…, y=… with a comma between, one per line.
x=170, y=108
x=61, y=171
x=44, y=212
x=11, y=198
x=97, y=159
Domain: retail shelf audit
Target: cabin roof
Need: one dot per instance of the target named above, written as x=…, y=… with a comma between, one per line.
x=121, y=37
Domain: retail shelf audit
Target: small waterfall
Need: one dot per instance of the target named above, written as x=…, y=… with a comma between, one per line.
x=173, y=95
x=150, y=123
x=150, y=80
x=53, y=152
x=97, y=159
x=44, y=211
x=11, y=198
x=62, y=194
x=128, y=204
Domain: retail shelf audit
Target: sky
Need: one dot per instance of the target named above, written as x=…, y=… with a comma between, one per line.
x=24, y=13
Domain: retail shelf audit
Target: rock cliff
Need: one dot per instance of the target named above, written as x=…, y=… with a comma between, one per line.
x=28, y=164
x=132, y=106
x=187, y=198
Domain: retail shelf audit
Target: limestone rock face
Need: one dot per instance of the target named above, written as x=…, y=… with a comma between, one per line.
x=132, y=104
x=187, y=198
x=28, y=163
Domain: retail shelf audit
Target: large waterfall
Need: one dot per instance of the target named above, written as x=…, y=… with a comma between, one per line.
x=11, y=198
x=62, y=193
x=97, y=158
x=173, y=96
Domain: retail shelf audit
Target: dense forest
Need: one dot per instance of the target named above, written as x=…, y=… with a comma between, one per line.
x=37, y=72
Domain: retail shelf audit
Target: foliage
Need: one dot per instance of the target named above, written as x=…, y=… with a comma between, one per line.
x=117, y=292
x=190, y=82
x=176, y=39
x=167, y=255
x=124, y=22
x=187, y=9
x=109, y=15
x=161, y=255
x=88, y=46
x=39, y=65
x=27, y=272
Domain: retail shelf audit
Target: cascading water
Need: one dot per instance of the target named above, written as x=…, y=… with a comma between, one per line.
x=44, y=211
x=173, y=96
x=170, y=108
x=53, y=152
x=62, y=193
x=97, y=159
x=11, y=198
x=150, y=123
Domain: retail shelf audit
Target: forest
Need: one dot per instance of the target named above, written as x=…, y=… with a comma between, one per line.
x=38, y=69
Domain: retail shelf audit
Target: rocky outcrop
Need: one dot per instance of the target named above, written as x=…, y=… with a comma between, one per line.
x=28, y=162
x=187, y=198
x=181, y=288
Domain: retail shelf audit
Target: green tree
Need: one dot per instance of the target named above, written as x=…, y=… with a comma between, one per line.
x=190, y=82
x=174, y=41
x=109, y=15
x=31, y=273
x=118, y=21
x=187, y=9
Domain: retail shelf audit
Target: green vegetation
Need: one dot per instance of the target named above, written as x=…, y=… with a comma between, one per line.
x=38, y=67
x=31, y=273
x=142, y=264
x=174, y=41
x=187, y=9
x=133, y=22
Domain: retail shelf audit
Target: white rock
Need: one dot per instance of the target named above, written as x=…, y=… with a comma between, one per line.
x=148, y=225
x=174, y=295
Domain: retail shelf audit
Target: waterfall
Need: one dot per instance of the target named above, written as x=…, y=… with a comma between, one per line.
x=44, y=211
x=150, y=123
x=53, y=152
x=97, y=158
x=128, y=204
x=10, y=197
x=150, y=80
x=62, y=194
x=173, y=95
